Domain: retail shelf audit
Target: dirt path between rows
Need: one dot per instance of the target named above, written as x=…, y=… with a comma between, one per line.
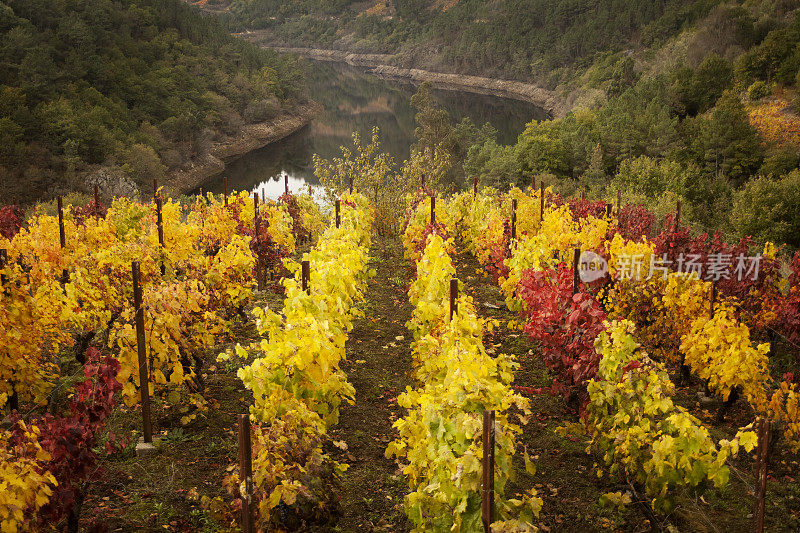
x=378, y=365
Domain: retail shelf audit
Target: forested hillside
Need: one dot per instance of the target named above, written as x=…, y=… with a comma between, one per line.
x=709, y=118
x=139, y=86
x=671, y=100
x=520, y=39
x=538, y=40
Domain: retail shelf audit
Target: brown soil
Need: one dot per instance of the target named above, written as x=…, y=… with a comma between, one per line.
x=378, y=365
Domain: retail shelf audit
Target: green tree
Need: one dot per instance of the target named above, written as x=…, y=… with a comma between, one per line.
x=142, y=164
x=622, y=76
x=769, y=210
x=639, y=122
x=774, y=59
x=541, y=149
x=494, y=165
x=697, y=90
x=780, y=161
x=11, y=141
x=435, y=133
x=433, y=123
x=411, y=10
x=725, y=143
x=651, y=178
x=594, y=179
x=80, y=78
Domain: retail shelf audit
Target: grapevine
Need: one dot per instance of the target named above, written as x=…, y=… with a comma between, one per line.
x=295, y=376
x=440, y=437
x=632, y=420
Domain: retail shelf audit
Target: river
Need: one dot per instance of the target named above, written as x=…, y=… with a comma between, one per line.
x=354, y=100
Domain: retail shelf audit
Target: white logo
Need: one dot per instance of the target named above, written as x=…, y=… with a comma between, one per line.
x=592, y=267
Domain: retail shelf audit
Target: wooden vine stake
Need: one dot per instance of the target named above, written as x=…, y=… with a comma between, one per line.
x=96, y=202
x=246, y=474
x=513, y=218
x=487, y=496
x=155, y=187
x=338, y=213
x=62, y=235
x=713, y=299
x=475, y=187
x=305, y=278
x=3, y=264
x=257, y=231
x=576, y=280
x=351, y=184
x=144, y=380
x=541, y=202
x=423, y=181
x=762, y=458
x=160, y=222
x=286, y=183
x=433, y=210
x=225, y=189
x=619, y=202
x=3, y=261
x=453, y=297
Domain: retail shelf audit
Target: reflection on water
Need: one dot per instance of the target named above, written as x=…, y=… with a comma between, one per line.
x=264, y=169
x=357, y=101
x=275, y=186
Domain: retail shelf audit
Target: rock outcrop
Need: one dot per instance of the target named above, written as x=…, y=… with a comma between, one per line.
x=111, y=182
x=252, y=137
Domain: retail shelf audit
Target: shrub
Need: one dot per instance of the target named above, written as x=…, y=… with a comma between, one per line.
x=758, y=90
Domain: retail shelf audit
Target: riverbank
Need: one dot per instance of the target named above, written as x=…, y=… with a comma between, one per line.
x=112, y=181
x=252, y=137
x=382, y=66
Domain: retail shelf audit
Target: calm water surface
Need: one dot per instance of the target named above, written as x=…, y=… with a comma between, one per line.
x=354, y=100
